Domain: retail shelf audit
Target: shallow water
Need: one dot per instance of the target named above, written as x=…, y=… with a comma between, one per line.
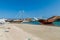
x=33, y=22
x=38, y=23
x=56, y=23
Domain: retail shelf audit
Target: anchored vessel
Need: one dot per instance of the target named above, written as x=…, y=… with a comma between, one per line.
x=49, y=20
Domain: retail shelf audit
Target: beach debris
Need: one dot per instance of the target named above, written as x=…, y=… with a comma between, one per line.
x=28, y=39
x=6, y=30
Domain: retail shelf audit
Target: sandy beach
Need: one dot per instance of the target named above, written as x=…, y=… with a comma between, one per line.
x=29, y=32
x=42, y=31
x=12, y=32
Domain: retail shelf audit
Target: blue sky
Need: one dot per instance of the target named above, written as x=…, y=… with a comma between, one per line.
x=31, y=8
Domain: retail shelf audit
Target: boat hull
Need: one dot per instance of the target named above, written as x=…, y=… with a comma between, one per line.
x=44, y=22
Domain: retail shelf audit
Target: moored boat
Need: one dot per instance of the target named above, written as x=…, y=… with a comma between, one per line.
x=49, y=20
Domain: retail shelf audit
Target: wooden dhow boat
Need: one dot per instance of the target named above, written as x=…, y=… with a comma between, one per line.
x=49, y=20
x=14, y=21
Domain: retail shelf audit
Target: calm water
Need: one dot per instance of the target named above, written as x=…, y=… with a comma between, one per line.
x=38, y=23
x=33, y=22
x=57, y=23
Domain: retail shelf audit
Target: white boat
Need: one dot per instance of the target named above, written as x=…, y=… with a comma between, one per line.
x=2, y=21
